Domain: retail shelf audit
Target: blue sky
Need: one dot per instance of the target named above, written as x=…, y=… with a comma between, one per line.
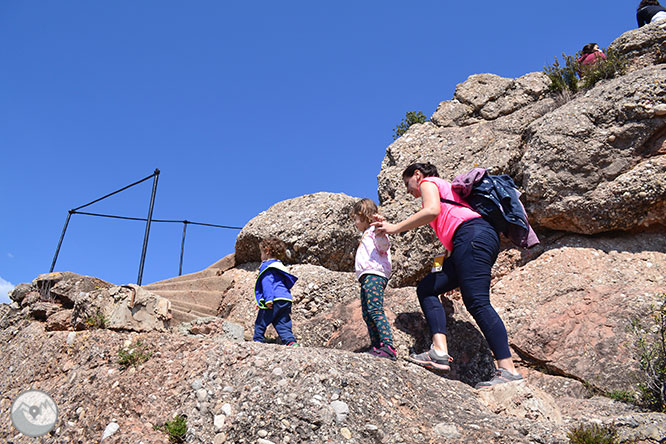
x=239, y=104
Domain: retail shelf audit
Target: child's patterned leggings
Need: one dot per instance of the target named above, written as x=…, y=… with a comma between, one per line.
x=372, y=307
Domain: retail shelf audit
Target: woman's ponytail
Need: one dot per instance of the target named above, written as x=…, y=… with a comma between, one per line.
x=427, y=169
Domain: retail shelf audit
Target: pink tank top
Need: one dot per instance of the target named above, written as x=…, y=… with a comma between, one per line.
x=450, y=216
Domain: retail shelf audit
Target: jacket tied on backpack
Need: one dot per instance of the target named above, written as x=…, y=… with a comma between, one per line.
x=497, y=199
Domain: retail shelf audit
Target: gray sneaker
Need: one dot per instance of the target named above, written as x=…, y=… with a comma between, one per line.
x=501, y=376
x=431, y=361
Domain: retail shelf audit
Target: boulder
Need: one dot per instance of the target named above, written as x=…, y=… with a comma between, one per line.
x=65, y=287
x=317, y=229
x=522, y=401
x=19, y=292
x=570, y=310
x=598, y=163
x=127, y=307
x=68, y=300
x=642, y=47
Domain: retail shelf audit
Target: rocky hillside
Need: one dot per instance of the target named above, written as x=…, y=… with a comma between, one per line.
x=593, y=174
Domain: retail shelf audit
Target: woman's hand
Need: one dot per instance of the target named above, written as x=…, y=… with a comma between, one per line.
x=384, y=227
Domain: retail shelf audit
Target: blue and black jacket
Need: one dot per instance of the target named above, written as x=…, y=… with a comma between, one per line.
x=273, y=283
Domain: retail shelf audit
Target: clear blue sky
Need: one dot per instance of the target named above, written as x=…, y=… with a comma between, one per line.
x=239, y=104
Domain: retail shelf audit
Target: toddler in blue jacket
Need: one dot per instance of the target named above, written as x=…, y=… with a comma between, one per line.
x=272, y=293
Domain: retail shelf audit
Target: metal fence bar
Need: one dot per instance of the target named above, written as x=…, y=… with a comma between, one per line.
x=116, y=192
x=182, y=248
x=150, y=216
x=62, y=236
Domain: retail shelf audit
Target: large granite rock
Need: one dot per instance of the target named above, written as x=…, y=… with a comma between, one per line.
x=570, y=309
x=643, y=46
x=317, y=229
x=598, y=163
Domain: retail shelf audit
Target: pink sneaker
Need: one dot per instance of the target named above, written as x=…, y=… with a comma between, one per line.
x=384, y=351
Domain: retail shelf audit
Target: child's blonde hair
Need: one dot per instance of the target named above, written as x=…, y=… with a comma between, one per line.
x=274, y=247
x=365, y=208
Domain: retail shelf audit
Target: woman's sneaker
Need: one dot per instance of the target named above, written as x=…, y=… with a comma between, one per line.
x=432, y=361
x=384, y=351
x=502, y=376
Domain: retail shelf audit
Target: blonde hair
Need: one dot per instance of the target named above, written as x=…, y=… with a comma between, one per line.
x=274, y=247
x=365, y=208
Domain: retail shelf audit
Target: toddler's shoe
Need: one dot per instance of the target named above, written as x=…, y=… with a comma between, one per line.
x=431, y=361
x=384, y=351
x=293, y=344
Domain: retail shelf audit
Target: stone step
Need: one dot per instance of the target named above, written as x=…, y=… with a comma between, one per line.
x=178, y=317
x=208, y=272
x=198, y=310
x=206, y=283
x=209, y=299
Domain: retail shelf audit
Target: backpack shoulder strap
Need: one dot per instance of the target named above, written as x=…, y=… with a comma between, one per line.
x=452, y=202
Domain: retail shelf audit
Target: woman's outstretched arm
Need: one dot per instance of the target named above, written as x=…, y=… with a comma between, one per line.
x=430, y=210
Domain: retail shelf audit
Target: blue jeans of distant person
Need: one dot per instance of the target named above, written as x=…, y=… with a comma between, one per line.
x=475, y=249
x=280, y=317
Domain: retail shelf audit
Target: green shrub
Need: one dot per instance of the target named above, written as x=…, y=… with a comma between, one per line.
x=650, y=346
x=593, y=434
x=411, y=117
x=98, y=320
x=563, y=77
x=133, y=355
x=175, y=429
x=573, y=77
x=613, y=66
x=622, y=396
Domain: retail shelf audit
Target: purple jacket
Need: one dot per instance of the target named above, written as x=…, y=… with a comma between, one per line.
x=463, y=185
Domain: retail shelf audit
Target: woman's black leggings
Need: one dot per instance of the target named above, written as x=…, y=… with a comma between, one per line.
x=475, y=249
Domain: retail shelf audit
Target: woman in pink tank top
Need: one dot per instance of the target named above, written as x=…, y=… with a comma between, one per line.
x=473, y=246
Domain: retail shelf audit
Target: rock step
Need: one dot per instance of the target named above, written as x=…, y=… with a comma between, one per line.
x=198, y=310
x=209, y=299
x=208, y=272
x=210, y=283
x=178, y=317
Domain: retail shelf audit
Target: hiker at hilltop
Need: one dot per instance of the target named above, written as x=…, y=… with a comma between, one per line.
x=272, y=293
x=373, y=270
x=588, y=57
x=649, y=11
x=472, y=246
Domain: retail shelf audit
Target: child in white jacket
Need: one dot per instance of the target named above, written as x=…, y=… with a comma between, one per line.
x=373, y=269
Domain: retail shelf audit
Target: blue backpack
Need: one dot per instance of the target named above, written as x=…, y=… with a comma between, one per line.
x=496, y=199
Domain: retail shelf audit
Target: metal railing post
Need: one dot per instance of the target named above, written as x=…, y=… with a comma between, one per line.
x=62, y=236
x=182, y=248
x=150, y=218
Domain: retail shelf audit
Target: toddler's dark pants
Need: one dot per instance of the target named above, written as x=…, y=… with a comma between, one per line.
x=280, y=317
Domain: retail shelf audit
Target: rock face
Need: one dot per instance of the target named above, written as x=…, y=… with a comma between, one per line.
x=598, y=163
x=570, y=309
x=643, y=47
x=245, y=392
x=317, y=229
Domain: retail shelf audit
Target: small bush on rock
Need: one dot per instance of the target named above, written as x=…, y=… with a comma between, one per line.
x=411, y=117
x=650, y=346
x=96, y=321
x=563, y=77
x=133, y=355
x=622, y=396
x=175, y=429
x=613, y=66
x=593, y=434
x=573, y=77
